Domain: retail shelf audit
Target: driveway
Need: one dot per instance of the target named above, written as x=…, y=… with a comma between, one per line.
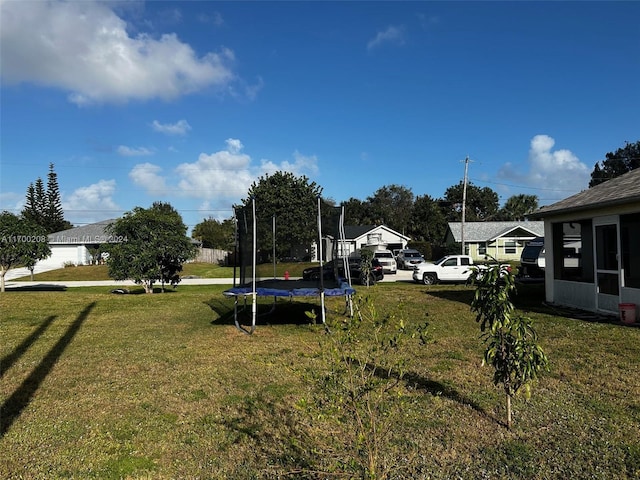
x=14, y=273
x=400, y=276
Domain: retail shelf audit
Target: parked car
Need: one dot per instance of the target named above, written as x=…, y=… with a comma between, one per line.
x=532, y=260
x=355, y=271
x=409, y=258
x=451, y=268
x=386, y=259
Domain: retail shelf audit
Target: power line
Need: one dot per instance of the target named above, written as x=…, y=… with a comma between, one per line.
x=524, y=186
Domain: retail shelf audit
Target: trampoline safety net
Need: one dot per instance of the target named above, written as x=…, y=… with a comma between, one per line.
x=330, y=243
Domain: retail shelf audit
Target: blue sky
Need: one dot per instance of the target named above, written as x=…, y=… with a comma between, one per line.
x=190, y=102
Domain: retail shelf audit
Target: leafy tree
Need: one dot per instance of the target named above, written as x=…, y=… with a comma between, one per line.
x=366, y=264
x=293, y=201
x=358, y=384
x=428, y=222
x=357, y=212
x=22, y=242
x=512, y=346
x=44, y=207
x=481, y=203
x=151, y=246
x=391, y=205
x=617, y=163
x=517, y=207
x=215, y=234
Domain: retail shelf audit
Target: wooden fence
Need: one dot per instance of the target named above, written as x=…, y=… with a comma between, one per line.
x=213, y=255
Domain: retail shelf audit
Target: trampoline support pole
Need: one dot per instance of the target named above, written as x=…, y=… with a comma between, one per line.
x=322, y=309
x=254, y=298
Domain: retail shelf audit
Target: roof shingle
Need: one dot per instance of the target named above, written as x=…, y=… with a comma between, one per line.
x=87, y=234
x=486, y=231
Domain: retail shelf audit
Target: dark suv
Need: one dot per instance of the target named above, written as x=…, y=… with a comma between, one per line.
x=355, y=270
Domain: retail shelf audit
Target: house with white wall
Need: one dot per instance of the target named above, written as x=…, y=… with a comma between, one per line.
x=71, y=247
x=606, y=221
x=363, y=236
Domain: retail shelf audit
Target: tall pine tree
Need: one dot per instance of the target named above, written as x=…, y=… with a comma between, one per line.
x=53, y=207
x=34, y=209
x=30, y=210
x=44, y=207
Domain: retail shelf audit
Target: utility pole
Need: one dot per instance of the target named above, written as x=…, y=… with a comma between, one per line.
x=464, y=201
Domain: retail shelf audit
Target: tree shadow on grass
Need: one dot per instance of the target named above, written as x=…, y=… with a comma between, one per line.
x=223, y=308
x=440, y=389
x=273, y=431
x=139, y=290
x=41, y=287
x=454, y=295
x=12, y=408
x=528, y=297
x=282, y=312
x=420, y=383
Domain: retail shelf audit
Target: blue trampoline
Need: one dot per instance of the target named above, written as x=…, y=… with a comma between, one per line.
x=251, y=287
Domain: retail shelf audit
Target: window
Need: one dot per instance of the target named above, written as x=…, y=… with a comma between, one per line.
x=630, y=232
x=464, y=261
x=452, y=262
x=482, y=248
x=575, y=241
x=510, y=247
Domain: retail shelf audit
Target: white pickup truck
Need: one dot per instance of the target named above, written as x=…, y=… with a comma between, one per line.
x=451, y=268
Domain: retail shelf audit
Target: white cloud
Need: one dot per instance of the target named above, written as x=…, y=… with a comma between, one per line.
x=92, y=203
x=84, y=47
x=181, y=127
x=559, y=173
x=302, y=165
x=392, y=35
x=244, y=90
x=220, y=178
x=12, y=202
x=223, y=174
x=125, y=151
x=147, y=176
x=214, y=19
x=234, y=145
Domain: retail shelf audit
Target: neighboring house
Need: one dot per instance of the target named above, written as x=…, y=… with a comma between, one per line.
x=364, y=236
x=502, y=240
x=72, y=246
x=374, y=237
x=604, y=222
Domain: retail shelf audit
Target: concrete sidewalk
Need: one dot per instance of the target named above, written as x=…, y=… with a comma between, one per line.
x=111, y=283
x=401, y=276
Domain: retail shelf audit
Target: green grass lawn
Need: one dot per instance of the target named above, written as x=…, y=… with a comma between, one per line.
x=196, y=269
x=163, y=386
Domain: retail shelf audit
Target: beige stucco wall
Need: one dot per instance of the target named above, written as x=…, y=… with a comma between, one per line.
x=496, y=250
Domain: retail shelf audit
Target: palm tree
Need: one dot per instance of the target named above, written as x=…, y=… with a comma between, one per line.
x=517, y=207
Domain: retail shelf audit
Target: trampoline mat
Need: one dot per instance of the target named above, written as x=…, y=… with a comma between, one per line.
x=293, y=288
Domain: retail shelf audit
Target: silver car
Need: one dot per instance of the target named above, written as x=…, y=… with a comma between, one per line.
x=407, y=259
